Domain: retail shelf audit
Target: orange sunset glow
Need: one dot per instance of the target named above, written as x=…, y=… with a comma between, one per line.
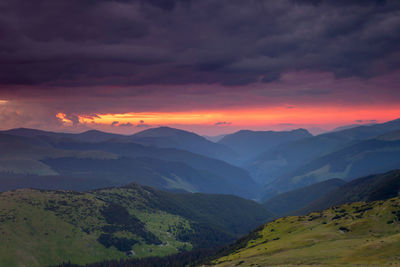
x=244, y=117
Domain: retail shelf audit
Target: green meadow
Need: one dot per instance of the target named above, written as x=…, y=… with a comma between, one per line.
x=357, y=234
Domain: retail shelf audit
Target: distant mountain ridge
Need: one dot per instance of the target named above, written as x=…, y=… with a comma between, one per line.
x=285, y=161
x=365, y=157
x=54, y=162
x=249, y=144
x=164, y=137
x=167, y=137
x=88, y=136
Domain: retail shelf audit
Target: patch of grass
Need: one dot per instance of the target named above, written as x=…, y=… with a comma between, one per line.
x=318, y=240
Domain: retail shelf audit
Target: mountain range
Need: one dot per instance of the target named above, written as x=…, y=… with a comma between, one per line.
x=99, y=196
x=345, y=154
x=361, y=158
x=31, y=158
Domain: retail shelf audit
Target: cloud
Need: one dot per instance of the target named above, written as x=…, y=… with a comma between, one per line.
x=128, y=124
x=313, y=92
x=72, y=118
x=366, y=121
x=141, y=124
x=102, y=42
x=222, y=123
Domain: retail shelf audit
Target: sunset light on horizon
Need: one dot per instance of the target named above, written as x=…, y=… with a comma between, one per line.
x=225, y=120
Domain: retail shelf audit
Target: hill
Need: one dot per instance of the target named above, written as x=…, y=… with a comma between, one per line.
x=167, y=137
x=371, y=156
x=217, y=170
x=249, y=144
x=163, y=137
x=41, y=228
x=290, y=201
x=287, y=158
x=58, y=163
x=88, y=136
x=357, y=234
x=369, y=188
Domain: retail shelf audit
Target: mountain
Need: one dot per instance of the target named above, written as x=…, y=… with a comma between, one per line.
x=290, y=201
x=287, y=158
x=42, y=228
x=357, y=234
x=345, y=127
x=371, y=156
x=249, y=144
x=391, y=136
x=54, y=163
x=369, y=188
x=22, y=155
x=167, y=137
x=88, y=136
x=163, y=137
x=217, y=170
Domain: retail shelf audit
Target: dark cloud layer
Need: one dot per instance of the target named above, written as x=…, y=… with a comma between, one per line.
x=71, y=43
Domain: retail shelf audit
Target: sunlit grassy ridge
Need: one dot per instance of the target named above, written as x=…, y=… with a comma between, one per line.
x=357, y=234
x=41, y=228
x=31, y=235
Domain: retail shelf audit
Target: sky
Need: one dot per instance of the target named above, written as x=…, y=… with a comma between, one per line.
x=209, y=66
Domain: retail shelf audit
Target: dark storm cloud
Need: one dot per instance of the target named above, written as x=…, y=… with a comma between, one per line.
x=313, y=92
x=232, y=42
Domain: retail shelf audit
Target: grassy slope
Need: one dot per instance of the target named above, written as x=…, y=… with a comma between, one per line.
x=40, y=228
x=357, y=234
x=33, y=236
